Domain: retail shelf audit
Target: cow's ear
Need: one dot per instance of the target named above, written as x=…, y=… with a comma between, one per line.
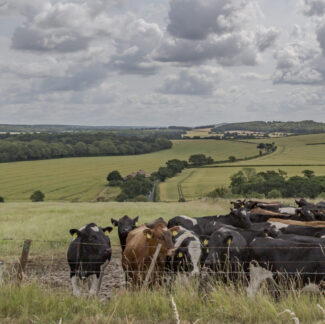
x=232, y=203
x=75, y=233
x=114, y=222
x=107, y=230
x=147, y=233
x=174, y=230
x=135, y=221
x=228, y=239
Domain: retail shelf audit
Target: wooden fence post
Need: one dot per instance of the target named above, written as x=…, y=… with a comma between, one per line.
x=2, y=266
x=153, y=261
x=23, y=259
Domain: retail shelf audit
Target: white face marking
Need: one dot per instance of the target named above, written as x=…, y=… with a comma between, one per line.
x=279, y=225
x=288, y=210
x=323, y=236
x=95, y=229
x=82, y=228
x=165, y=229
x=194, y=221
x=244, y=212
x=194, y=249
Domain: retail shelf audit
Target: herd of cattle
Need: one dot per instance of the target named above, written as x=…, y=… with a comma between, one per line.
x=281, y=239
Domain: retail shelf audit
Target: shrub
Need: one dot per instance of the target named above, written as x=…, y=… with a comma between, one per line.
x=220, y=192
x=114, y=176
x=122, y=197
x=2, y=200
x=182, y=199
x=37, y=196
x=274, y=193
x=232, y=158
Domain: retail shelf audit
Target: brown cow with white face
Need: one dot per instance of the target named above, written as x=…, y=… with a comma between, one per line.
x=140, y=247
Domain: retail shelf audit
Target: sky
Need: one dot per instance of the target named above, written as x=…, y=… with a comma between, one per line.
x=161, y=62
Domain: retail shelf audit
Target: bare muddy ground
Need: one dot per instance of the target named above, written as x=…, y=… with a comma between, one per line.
x=55, y=273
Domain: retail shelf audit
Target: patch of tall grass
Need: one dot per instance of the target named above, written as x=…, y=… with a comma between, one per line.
x=31, y=303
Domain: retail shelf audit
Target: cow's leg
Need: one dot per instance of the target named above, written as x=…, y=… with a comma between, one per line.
x=93, y=279
x=75, y=285
x=101, y=275
x=257, y=276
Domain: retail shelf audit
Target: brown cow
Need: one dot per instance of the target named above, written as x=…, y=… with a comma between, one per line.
x=294, y=222
x=140, y=247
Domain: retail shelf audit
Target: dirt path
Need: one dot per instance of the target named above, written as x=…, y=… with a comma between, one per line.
x=55, y=274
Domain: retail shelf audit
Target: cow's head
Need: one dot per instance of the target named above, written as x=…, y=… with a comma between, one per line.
x=240, y=218
x=125, y=225
x=224, y=246
x=161, y=235
x=238, y=203
x=93, y=246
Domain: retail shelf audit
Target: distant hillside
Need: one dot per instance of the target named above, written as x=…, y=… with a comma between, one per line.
x=302, y=127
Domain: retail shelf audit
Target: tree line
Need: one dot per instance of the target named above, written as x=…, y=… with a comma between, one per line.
x=25, y=147
x=276, y=184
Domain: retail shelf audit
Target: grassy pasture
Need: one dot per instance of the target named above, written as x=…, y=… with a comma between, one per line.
x=82, y=179
x=51, y=221
x=293, y=150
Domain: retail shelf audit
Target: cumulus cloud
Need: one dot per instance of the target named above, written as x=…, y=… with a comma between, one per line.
x=314, y=7
x=253, y=76
x=214, y=30
x=298, y=61
x=321, y=37
x=193, y=82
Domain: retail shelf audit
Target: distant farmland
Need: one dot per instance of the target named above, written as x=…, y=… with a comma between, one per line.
x=82, y=179
x=293, y=156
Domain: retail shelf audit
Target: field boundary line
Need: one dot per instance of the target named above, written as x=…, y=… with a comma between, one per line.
x=179, y=185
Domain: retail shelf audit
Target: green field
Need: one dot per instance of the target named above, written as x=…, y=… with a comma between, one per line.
x=51, y=221
x=292, y=156
x=82, y=179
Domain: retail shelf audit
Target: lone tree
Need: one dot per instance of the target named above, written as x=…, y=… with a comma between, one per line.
x=114, y=176
x=2, y=200
x=232, y=158
x=308, y=173
x=37, y=196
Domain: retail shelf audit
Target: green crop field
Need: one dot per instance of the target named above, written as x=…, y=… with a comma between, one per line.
x=291, y=150
x=82, y=179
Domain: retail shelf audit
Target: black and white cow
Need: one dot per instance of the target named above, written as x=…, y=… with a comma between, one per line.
x=88, y=255
x=208, y=224
x=124, y=226
x=188, y=253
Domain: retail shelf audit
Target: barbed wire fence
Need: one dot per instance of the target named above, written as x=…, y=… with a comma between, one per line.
x=45, y=266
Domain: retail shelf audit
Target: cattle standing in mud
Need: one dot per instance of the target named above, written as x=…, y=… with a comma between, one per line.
x=88, y=255
x=125, y=225
x=140, y=247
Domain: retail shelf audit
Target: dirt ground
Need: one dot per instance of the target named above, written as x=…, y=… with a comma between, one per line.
x=55, y=273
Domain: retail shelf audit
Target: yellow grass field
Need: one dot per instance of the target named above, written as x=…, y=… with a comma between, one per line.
x=197, y=183
x=82, y=179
